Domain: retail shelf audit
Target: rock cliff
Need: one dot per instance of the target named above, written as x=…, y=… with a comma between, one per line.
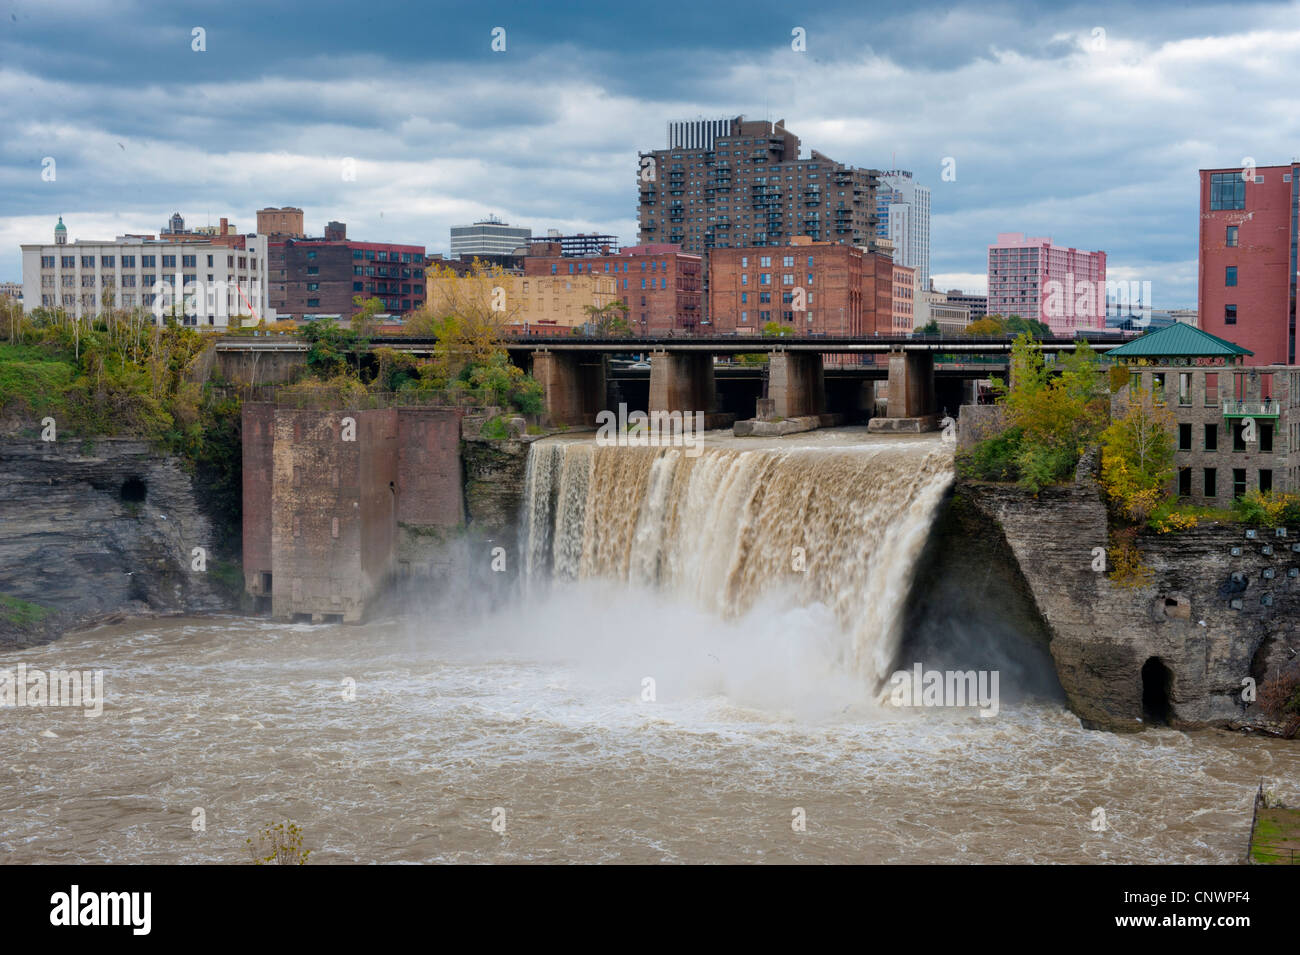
x=1218, y=608
x=92, y=528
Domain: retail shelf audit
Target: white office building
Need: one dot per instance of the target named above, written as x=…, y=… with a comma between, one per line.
x=903, y=209
x=488, y=236
x=203, y=284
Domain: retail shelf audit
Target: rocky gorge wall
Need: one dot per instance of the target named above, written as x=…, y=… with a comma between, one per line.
x=1218, y=608
x=89, y=529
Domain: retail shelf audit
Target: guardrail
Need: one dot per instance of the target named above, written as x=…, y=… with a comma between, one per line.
x=1251, y=409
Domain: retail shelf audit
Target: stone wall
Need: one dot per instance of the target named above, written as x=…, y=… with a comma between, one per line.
x=1184, y=617
x=91, y=529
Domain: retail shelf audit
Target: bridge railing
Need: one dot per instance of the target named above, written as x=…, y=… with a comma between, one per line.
x=324, y=398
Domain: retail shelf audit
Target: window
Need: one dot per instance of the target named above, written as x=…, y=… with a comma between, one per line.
x=1238, y=437
x=1266, y=437
x=148, y=280
x=313, y=303
x=169, y=261
x=810, y=278
x=765, y=262
x=1238, y=482
x=1227, y=191
x=1231, y=239
x=1184, y=387
x=313, y=270
x=230, y=261
x=69, y=261
x=1230, y=315
x=1211, y=437
x=148, y=261
x=788, y=261
x=1265, y=480
x=128, y=261
x=810, y=261
x=744, y=279
x=356, y=286
x=744, y=261
x=189, y=261
x=744, y=316
x=315, y=286
x=87, y=261
x=47, y=261
x=1184, y=482
x=1230, y=275
x=106, y=261
x=1211, y=478
x=1211, y=388
x=765, y=278
x=744, y=298
x=209, y=261
x=764, y=298
x=1184, y=437
x=787, y=279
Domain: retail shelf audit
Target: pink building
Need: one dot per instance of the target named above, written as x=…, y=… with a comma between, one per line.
x=1065, y=289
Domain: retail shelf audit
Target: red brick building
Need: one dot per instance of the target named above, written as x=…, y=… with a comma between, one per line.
x=818, y=288
x=1250, y=230
x=319, y=276
x=661, y=285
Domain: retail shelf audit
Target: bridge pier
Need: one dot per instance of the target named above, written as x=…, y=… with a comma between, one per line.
x=682, y=381
x=911, y=401
x=573, y=386
x=796, y=384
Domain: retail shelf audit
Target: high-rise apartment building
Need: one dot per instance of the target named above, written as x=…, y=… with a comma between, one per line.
x=1250, y=230
x=903, y=211
x=488, y=236
x=1063, y=288
x=737, y=184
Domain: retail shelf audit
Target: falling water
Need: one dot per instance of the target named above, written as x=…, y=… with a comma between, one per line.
x=840, y=526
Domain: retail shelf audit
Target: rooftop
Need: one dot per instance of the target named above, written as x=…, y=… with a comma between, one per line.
x=1179, y=341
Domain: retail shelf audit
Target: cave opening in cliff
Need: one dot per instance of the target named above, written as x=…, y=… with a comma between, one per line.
x=1156, y=684
x=134, y=490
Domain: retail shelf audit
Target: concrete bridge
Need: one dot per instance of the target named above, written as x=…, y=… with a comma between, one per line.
x=575, y=372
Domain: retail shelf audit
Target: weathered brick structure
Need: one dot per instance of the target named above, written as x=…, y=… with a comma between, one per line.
x=328, y=496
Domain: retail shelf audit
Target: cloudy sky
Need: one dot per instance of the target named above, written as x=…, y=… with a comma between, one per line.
x=1087, y=123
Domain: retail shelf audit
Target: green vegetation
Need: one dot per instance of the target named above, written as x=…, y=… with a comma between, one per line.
x=21, y=613
x=1051, y=419
x=1267, y=508
x=997, y=326
x=608, y=320
x=280, y=844
x=1137, y=456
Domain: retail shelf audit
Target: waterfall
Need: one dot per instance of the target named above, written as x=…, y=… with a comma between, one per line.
x=842, y=526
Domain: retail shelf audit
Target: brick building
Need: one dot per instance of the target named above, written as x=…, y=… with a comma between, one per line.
x=1218, y=399
x=281, y=222
x=535, y=301
x=320, y=276
x=661, y=285
x=335, y=501
x=905, y=279
x=1250, y=230
x=843, y=290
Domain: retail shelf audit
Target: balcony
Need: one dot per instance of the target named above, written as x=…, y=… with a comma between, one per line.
x=1251, y=409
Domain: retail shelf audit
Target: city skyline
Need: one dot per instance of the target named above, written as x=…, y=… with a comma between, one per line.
x=1016, y=98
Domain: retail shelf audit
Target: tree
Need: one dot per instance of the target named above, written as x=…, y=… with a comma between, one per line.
x=329, y=347
x=1137, y=455
x=929, y=328
x=987, y=327
x=608, y=320
x=776, y=330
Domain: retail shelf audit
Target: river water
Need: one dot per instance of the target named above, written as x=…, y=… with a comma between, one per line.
x=605, y=717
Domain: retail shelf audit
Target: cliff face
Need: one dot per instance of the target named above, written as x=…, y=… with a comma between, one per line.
x=91, y=528
x=1208, y=618
x=495, y=472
